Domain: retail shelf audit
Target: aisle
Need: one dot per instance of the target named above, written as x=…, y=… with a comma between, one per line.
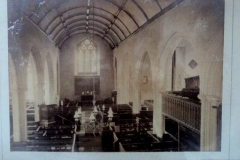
x=86, y=142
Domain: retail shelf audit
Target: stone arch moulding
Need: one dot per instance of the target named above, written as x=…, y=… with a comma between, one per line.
x=162, y=59
x=166, y=55
x=38, y=63
x=213, y=66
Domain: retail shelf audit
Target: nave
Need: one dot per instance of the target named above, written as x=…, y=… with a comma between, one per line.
x=156, y=67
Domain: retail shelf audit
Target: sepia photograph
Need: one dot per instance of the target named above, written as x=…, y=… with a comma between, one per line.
x=115, y=75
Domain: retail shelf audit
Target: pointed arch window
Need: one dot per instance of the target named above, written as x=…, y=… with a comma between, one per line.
x=87, y=59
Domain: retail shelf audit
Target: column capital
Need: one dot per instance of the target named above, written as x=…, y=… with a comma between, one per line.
x=214, y=100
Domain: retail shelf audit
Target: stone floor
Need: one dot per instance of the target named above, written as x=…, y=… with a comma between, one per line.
x=86, y=141
x=89, y=143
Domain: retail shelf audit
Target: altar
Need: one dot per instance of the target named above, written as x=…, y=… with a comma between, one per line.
x=86, y=98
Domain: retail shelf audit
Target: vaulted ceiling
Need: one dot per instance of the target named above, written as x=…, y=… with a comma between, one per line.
x=112, y=20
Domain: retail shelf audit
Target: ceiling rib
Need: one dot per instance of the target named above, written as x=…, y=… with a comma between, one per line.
x=58, y=28
x=63, y=22
x=95, y=21
x=89, y=18
x=84, y=29
x=165, y=10
x=53, y=19
x=96, y=26
x=54, y=7
x=85, y=19
x=72, y=33
x=87, y=15
x=115, y=17
x=61, y=43
x=122, y=9
x=72, y=23
x=96, y=16
x=158, y=5
x=140, y=8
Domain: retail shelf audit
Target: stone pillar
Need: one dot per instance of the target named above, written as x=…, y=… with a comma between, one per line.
x=158, y=119
x=209, y=122
x=15, y=116
x=40, y=95
x=22, y=114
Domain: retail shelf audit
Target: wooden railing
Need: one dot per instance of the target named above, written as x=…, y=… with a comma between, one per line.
x=182, y=110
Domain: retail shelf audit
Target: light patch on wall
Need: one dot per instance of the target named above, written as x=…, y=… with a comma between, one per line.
x=192, y=64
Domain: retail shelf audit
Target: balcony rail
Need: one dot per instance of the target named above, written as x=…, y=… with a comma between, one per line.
x=182, y=110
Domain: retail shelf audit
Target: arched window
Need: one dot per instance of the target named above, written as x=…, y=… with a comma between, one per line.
x=87, y=59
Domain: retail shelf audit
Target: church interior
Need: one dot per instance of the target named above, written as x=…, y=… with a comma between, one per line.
x=115, y=75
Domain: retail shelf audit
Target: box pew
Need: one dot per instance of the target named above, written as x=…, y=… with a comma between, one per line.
x=53, y=138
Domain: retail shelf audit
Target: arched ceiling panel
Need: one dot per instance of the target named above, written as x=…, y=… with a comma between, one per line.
x=151, y=8
x=119, y=32
x=101, y=13
x=116, y=2
x=165, y=3
x=41, y=10
x=125, y=30
x=82, y=32
x=52, y=25
x=136, y=12
x=60, y=33
x=115, y=30
x=132, y=25
x=75, y=18
x=77, y=24
x=48, y=19
x=64, y=7
x=75, y=11
x=105, y=4
x=113, y=20
x=111, y=33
